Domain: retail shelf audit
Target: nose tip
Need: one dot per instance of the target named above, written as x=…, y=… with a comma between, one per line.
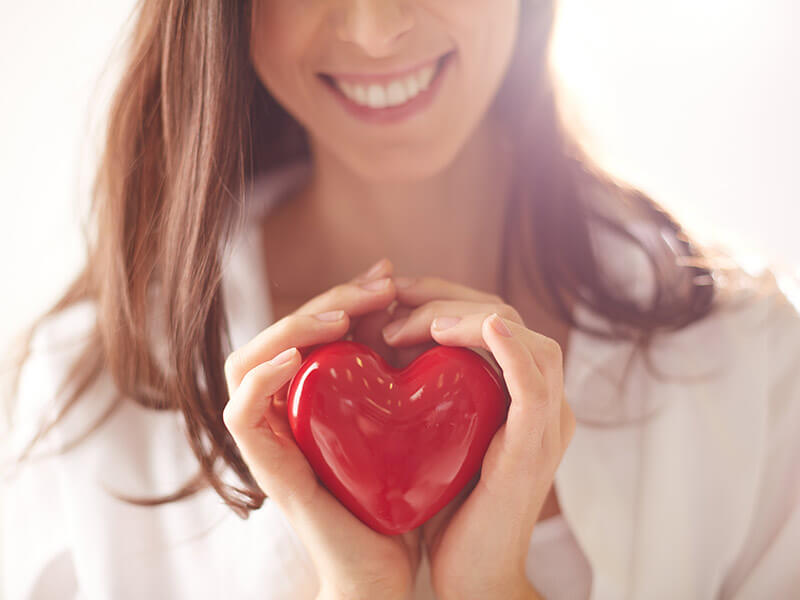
x=375, y=25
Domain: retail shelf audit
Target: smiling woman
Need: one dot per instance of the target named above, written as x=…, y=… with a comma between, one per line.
x=258, y=156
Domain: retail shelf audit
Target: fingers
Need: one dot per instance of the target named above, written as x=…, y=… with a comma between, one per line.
x=531, y=363
x=522, y=375
x=255, y=372
x=302, y=328
x=261, y=433
x=247, y=406
x=468, y=331
x=416, y=327
x=291, y=331
x=425, y=289
x=355, y=298
x=413, y=542
x=531, y=369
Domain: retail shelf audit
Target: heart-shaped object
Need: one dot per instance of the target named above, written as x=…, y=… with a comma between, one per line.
x=395, y=445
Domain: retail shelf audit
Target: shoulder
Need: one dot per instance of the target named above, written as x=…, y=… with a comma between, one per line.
x=34, y=513
x=763, y=305
x=740, y=362
x=64, y=329
x=757, y=332
x=770, y=459
x=769, y=334
x=56, y=345
x=778, y=298
x=62, y=336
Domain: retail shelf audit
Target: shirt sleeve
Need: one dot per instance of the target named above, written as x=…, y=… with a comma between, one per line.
x=768, y=565
x=36, y=552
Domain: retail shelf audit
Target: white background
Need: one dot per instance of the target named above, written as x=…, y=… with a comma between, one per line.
x=695, y=101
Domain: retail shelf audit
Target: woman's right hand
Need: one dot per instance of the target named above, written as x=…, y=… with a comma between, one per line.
x=352, y=560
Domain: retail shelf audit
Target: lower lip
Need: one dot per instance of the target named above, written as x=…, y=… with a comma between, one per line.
x=393, y=114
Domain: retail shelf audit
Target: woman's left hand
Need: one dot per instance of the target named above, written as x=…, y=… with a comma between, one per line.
x=477, y=548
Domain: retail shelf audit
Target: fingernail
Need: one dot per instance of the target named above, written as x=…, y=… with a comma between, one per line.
x=377, y=285
x=445, y=322
x=331, y=315
x=283, y=357
x=500, y=326
x=374, y=270
x=392, y=328
x=404, y=282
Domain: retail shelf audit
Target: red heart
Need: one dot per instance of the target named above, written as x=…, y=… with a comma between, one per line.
x=395, y=445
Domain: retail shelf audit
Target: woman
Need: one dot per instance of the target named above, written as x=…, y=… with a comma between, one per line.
x=258, y=155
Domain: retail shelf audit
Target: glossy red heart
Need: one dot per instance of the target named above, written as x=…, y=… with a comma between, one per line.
x=395, y=445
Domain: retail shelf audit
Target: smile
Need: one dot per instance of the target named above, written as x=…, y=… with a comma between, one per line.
x=388, y=98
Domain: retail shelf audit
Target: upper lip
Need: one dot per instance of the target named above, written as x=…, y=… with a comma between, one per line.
x=385, y=76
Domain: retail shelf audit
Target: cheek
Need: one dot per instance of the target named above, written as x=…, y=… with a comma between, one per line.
x=487, y=34
x=484, y=33
x=280, y=40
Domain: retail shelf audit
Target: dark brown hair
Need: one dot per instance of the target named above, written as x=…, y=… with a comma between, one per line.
x=190, y=126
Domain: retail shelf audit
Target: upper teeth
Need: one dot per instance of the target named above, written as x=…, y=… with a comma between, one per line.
x=394, y=92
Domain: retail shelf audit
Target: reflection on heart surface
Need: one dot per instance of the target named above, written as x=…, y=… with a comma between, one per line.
x=395, y=445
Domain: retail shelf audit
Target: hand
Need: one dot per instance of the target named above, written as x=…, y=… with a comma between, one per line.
x=352, y=560
x=478, y=545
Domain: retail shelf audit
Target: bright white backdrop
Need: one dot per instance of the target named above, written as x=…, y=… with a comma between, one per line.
x=695, y=101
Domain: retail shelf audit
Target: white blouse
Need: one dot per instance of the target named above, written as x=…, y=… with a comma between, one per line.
x=700, y=500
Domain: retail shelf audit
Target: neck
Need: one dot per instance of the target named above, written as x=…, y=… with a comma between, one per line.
x=448, y=225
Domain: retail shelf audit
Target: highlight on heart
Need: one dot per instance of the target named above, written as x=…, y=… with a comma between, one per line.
x=395, y=446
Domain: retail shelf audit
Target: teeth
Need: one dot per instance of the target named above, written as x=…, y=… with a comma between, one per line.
x=376, y=96
x=394, y=93
x=425, y=77
x=360, y=94
x=412, y=87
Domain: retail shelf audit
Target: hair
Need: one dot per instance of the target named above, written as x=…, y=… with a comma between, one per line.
x=189, y=127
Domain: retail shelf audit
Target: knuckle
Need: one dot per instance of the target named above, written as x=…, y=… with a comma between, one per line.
x=508, y=312
x=253, y=378
x=284, y=325
x=552, y=349
x=433, y=308
x=232, y=367
x=541, y=393
x=341, y=291
x=421, y=313
x=571, y=422
x=229, y=416
x=287, y=327
x=570, y=431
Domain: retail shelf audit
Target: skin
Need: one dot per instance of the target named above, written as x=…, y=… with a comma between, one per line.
x=371, y=186
x=437, y=168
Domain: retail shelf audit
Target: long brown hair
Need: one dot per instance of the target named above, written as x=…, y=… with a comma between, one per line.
x=190, y=126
